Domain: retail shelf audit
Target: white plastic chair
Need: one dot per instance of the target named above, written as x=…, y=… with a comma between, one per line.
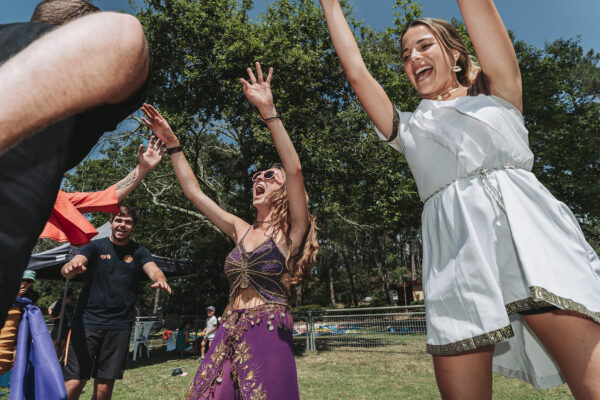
x=140, y=336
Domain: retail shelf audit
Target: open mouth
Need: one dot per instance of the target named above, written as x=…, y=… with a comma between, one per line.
x=259, y=189
x=423, y=72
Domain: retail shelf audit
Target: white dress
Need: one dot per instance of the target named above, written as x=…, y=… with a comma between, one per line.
x=495, y=241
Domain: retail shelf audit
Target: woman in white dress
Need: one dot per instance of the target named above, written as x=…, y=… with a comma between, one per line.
x=510, y=283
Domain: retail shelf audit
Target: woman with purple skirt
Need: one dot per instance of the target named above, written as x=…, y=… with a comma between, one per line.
x=251, y=355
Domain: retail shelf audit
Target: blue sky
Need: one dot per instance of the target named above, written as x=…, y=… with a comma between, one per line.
x=534, y=21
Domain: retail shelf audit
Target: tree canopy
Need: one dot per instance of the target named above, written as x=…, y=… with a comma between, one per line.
x=361, y=191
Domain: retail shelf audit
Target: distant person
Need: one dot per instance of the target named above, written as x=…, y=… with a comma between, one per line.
x=104, y=313
x=208, y=334
x=182, y=341
x=42, y=70
x=26, y=288
x=55, y=316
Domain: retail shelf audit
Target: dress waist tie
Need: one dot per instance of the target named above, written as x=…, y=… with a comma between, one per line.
x=484, y=176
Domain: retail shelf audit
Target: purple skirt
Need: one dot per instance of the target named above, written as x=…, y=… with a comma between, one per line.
x=250, y=357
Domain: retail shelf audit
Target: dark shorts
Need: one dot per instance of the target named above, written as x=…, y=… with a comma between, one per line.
x=97, y=353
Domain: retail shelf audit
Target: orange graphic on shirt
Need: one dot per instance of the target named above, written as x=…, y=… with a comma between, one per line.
x=128, y=258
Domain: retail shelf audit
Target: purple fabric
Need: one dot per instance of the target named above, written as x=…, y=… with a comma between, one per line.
x=36, y=374
x=250, y=357
x=261, y=269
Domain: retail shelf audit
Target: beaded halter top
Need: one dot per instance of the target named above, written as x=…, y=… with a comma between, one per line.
x=262, y=269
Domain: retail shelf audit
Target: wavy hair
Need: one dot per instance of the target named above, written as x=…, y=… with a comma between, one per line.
x=298, y=264
x=450, y=40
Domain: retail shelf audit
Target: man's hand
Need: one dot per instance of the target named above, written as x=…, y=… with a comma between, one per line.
x=73, y=268
x=162, y=285
x=150, y=158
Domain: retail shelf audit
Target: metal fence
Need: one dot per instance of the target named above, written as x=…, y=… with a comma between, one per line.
x=374, y=328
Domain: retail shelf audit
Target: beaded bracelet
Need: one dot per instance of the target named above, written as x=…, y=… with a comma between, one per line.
x=173, y=150
x=265, y=120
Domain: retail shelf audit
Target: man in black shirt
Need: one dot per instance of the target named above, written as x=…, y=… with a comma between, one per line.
x=104, y=312
x=70, y=84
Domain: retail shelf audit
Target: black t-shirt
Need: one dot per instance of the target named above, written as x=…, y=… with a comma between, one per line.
x=110, y=284
x=31, y=172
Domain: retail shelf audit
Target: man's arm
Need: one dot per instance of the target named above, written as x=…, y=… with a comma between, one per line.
x=156, y=276
x=69, y=70
x=148, y=160
x=74, y=267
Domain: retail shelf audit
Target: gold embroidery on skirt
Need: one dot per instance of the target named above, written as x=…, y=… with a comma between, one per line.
x=471, y=343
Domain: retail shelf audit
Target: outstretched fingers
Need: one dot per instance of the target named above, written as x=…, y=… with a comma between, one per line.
x=245, y=84
x=270, y=75
x=259, y=72
x=251, y=75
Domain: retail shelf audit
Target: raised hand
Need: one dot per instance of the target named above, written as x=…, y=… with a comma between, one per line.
x=159, y=126
x=73, y=268
x=162, y=285
x=258, y=91
x=150, y=158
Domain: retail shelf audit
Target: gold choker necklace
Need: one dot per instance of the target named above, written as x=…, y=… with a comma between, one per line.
x=441, y=96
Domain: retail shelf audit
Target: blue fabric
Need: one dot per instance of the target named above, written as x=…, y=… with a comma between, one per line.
x=36, y=374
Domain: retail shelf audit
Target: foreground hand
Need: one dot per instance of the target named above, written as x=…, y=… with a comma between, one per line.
x=258, y=92
x=162, y=285
x=159, y=126
x=150, y=158
x=72, y=269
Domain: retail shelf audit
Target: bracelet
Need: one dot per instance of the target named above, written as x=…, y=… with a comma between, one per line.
x=265, y=120
x=174, y=150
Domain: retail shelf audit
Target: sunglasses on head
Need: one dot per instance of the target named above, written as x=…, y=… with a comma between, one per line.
x=269, y=174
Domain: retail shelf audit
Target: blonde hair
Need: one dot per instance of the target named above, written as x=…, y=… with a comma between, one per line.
x=450, y=40
x=298, y=264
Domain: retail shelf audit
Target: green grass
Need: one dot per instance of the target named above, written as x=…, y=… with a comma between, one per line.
x=399, y=371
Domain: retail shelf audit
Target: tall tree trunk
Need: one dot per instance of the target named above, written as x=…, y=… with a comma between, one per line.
x=331, y=290
x=344, y=260
x=413, y=265
x=156, y=297
x=384, y=273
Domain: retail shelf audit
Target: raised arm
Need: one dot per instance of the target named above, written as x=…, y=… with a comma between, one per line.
x=258, y=92
x=156, y=276
x=494, y=49
x=76, y=266
x=225, y=221
x=148, y=160
x=71, y=69
x=370, y=93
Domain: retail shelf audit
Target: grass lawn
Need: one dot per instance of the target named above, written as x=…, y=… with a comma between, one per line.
x=399, y=371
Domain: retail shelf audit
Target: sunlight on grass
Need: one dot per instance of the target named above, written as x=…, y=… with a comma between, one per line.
x=399, y=371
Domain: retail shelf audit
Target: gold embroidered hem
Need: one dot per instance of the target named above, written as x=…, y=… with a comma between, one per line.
x=473, y=343
x=235, y=363
x=541, y=298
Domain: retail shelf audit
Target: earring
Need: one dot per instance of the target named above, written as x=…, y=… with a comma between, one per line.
x=456, y=68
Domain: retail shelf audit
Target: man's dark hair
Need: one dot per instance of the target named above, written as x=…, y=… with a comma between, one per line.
x=126, y=211
x=59, y=12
